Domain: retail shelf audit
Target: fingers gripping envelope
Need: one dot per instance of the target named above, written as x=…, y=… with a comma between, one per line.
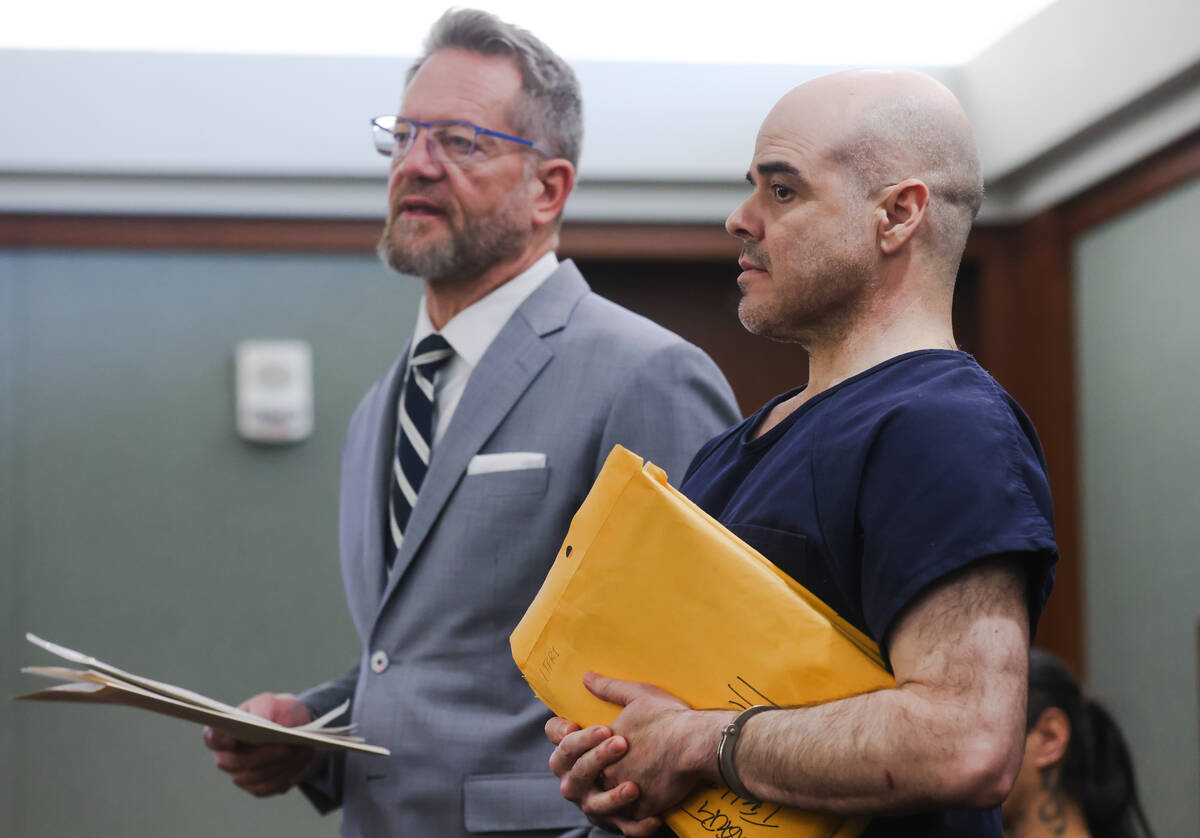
x=649, y=587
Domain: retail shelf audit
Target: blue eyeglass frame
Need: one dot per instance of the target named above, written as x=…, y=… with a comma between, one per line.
x=387, y=124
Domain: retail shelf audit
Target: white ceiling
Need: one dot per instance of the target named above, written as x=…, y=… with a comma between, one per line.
x=924, y=32
x=1079, y=91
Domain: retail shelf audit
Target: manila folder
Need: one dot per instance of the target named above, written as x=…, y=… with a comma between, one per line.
x=649, y=587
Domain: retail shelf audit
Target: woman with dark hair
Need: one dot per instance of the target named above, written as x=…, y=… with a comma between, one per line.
x=1076, y=780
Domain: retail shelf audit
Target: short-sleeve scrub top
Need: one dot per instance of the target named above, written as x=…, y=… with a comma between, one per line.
x=881, y=485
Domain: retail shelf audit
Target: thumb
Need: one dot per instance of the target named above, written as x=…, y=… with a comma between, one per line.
x=614, y=690
x=293, y=714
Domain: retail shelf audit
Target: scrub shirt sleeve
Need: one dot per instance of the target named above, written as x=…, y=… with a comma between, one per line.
x=947, y=481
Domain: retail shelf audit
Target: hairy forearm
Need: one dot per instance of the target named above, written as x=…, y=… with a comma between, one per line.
x=949, y=734
x=885, y=752
x=950, y=740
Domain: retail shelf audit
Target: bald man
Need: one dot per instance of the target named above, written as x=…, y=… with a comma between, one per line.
x=902, y=485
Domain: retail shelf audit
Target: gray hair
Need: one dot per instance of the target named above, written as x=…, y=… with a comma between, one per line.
x=549, y=110
x=909, y=138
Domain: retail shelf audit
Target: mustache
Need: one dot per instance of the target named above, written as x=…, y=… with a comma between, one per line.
x=753, y=252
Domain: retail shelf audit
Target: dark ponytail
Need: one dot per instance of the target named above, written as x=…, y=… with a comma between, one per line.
x=1097, y=770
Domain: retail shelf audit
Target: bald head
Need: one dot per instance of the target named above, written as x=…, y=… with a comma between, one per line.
x=884, y=126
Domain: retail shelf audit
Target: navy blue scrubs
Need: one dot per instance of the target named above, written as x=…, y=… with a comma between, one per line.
x=881, y=485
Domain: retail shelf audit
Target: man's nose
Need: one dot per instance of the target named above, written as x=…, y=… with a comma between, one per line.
x=741, y=224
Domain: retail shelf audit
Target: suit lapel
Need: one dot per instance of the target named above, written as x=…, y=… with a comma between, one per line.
x=377, y=469
x=508, y=367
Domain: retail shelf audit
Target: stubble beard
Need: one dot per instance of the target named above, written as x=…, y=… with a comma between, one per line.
x=461, y=255
x=817, y=300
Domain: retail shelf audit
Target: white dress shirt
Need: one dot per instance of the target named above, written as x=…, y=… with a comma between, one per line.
x=471, y=332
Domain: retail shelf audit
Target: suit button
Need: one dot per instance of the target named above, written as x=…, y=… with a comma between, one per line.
x=379, y=662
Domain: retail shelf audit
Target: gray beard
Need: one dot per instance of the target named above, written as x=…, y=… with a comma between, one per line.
x=464, y=254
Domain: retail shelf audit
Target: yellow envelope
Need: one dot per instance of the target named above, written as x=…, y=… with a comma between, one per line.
x=649, y=587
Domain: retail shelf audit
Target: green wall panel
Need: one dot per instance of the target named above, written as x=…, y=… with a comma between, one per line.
x=138, y=527
x=1138, y=306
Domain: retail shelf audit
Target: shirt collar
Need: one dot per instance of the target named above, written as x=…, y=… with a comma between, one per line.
x=473, y=329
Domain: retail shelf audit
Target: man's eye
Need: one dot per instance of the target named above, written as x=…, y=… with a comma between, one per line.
x=455, y=140
x=401, y=136
x=781, y=192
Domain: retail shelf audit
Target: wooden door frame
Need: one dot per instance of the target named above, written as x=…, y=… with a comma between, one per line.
x=1027, y=289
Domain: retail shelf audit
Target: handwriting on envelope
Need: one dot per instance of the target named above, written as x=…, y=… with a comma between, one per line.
x=648, y=587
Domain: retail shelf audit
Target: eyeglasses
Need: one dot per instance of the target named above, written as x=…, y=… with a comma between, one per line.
x=454, y=139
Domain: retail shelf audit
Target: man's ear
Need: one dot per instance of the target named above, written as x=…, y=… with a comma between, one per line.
x=553, y=181
x=1047, y=741
x=900, y=213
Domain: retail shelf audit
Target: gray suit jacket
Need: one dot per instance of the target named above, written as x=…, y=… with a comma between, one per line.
x=569, y=375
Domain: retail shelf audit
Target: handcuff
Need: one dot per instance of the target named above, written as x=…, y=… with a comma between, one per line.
x=728, y=747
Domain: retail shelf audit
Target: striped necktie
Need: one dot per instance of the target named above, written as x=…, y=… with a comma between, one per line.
x=414, y=437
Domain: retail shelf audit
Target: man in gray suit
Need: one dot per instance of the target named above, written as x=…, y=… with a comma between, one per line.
x=516, y=385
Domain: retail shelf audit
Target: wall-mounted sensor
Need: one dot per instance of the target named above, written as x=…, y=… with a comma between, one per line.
x=274, y=390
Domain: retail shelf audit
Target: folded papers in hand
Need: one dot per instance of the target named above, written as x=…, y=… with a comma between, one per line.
x=102, y=683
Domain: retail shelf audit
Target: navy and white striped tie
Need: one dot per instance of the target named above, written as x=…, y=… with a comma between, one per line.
x=414, y=437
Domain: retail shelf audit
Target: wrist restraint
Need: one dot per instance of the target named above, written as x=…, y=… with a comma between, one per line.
x=728, y=748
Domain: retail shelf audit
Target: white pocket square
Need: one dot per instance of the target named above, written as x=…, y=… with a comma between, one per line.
x=508, y=461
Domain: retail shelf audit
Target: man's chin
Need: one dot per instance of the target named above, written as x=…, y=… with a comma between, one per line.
x=749, y=316
x=759, y=318
x=418, y=258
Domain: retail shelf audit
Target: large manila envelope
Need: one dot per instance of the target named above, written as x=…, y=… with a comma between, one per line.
x=648, y=587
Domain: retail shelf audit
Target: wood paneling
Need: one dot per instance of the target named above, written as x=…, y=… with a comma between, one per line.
x=137, y=232
x=673, y=242
x=660, y=242
x=1026, y=341
x=699, y=300
x=1176, y=164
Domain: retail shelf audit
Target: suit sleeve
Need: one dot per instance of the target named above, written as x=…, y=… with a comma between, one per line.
x=673, y=402
x=324, y=788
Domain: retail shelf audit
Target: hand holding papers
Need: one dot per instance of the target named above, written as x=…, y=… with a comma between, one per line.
x=102, y=683
x=648, y=587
